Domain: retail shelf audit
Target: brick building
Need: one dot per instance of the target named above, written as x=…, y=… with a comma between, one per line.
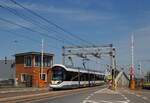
x=29, y=71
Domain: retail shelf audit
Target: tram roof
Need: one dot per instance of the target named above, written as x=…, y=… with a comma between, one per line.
x=75, y=69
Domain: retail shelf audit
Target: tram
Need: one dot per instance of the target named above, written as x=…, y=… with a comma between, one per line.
x=65, y=77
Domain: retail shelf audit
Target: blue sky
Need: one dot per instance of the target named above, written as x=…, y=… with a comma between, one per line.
x=98, y=21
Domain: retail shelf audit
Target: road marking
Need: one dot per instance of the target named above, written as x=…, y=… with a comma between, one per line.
x=123, y=95
x=91, y=94
x=145, y=98
x=103, y=101
x=125, y=98
x=41, y=94
x=56, y=96
x=100, y=91
x=89, y=101
x=59, y=96
x=88, y=97
x=128, y=100
x=106, y=90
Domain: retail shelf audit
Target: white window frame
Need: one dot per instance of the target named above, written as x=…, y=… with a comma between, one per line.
x=35, y=61
x=21, y=78
x=25, y=63
x=50, y=62
x=45, y=76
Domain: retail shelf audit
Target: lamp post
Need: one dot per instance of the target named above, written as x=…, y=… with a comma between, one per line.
x=132, y=81
x=13, y=64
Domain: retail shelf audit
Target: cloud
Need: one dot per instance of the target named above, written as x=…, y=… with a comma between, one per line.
x=77, y=14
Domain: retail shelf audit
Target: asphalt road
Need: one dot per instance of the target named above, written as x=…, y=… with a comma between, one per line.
x=101, y=95
x=72, y=97
x=84, y=95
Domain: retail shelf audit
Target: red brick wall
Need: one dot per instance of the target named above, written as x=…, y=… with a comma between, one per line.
x=34, y=71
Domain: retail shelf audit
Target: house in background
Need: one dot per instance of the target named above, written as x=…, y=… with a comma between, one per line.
x=7, y=69
x=29, y=71
x=7, y=72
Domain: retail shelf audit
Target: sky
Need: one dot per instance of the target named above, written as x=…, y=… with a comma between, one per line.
x=98, y=21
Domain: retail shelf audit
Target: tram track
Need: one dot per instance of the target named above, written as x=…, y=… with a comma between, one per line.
x=43, y=96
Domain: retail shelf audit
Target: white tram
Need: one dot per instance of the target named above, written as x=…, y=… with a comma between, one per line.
x=65, y=77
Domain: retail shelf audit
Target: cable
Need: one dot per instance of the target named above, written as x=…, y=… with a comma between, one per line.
x=25, y=18
x=25, y=37
x=50, y=22
x=32, y=30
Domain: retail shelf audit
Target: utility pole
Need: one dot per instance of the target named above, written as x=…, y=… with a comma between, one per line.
x=63, y=55
x=42, y=50
x=113, y=66
x=140, y=70
x=41, y=78
x=140, y=79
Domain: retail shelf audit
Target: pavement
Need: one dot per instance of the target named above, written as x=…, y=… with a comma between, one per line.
x=99, y=94
x=11, y=90
x=15, y=92
x=118, y=96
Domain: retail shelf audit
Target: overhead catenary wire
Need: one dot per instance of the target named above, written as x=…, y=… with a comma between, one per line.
x=52, y=23
x=25, y=37
x=29, y=19
x=32, y=30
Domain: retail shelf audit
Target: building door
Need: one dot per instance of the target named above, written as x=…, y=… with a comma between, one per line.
x=29, y=81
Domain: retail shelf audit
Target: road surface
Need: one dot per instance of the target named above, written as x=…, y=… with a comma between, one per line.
x=83, y=95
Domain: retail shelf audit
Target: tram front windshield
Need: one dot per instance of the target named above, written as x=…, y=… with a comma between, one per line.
x=58, y=73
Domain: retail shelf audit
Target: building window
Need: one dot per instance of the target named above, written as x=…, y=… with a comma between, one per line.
x=23, y=77
x=43, y=76
x=46, y=61
x=37, y=61
x=28, y=61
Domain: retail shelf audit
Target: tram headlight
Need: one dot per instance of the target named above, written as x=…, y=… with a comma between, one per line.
x=56, y=82
x=59, y=82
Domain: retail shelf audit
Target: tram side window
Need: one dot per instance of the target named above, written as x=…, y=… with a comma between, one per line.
x=99, y=77
x=68, y=76
x=83, y=77
x=86, y=76
x=91, y=77
x=71, y=76
x=102, y=77
x=75, y=76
